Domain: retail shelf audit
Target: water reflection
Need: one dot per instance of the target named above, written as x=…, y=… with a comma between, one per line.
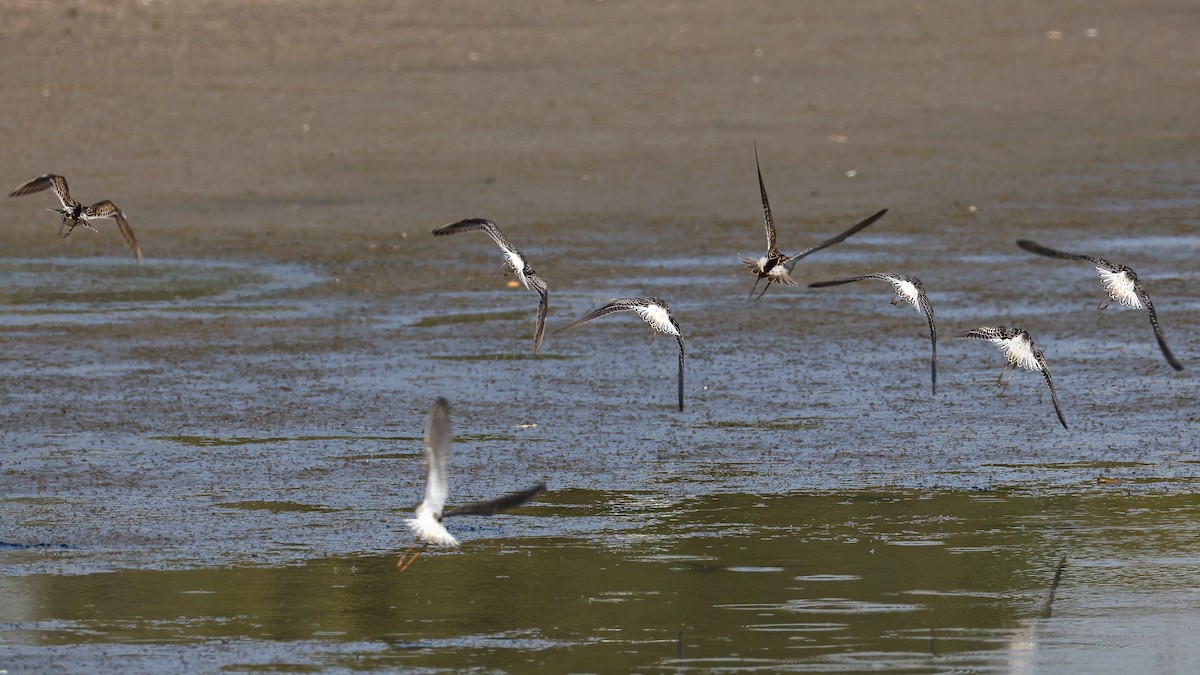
x=746, y=582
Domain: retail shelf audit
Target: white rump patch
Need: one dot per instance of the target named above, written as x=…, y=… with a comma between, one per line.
x=427, y=528
x=1120, y=287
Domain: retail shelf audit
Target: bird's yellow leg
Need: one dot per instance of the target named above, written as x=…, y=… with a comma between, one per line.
x=406, y=560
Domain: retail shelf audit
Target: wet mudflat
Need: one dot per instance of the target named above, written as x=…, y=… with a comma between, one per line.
x=243, y=507
x=205, y=461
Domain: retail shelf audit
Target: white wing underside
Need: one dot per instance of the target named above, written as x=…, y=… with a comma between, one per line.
x=1019, y=352
x=657, y=317
x=908, y=291
x=1120, y=287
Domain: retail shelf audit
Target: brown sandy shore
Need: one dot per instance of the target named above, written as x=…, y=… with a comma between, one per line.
x=304, y=130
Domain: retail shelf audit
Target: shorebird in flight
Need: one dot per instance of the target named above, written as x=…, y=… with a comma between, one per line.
x=1121, y=284
x=427, y=524
x=774, y=266
x=530, y=279
x=1018, y=348
x=654, y=312
x=910, y=290
x=77, y=213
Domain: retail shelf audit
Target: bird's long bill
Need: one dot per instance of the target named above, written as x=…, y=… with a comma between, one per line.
x=680, y=341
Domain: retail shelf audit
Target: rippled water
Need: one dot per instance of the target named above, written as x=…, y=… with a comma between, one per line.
x=208, y=464
x=895, y=580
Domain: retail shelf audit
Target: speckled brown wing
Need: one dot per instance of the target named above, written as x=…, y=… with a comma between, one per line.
x=46, y=182
x=107, y=209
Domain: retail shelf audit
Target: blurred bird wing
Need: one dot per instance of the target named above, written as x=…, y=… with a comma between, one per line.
x=499, y=505
x=47, y=181
x=437, y=458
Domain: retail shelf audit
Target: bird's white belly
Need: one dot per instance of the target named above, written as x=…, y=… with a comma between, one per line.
x=1120, y=287
x=658, y=319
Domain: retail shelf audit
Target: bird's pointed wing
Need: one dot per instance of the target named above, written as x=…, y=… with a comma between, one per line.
x=107, y=209
x=849, y=280
x=45, y=182
x=537, y=283
x=437, y=456
x=472, y=224
x=508, y=501
x=1158, y=334
x=840, y=238
x=924, y=300
x=679, y=339
x=985, y=333
x=768, y=219
x=33, y=185
x=1050, y=383
x=623, y=305
x=1034, y=247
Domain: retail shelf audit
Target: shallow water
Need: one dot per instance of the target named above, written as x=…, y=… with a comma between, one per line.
x=245, y=511
x=892, y=580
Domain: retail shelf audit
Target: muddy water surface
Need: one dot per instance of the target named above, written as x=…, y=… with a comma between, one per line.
x=814, y=507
